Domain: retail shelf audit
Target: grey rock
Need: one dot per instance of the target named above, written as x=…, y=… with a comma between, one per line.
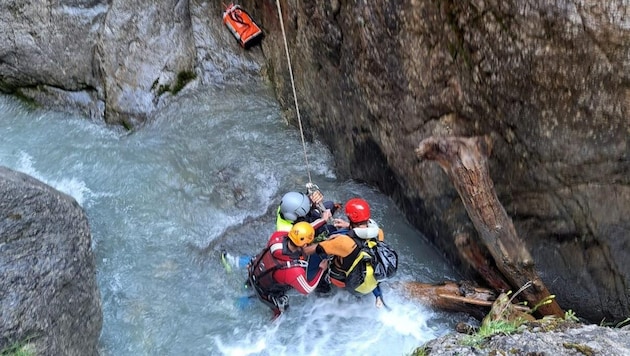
x=578, y=340
x=49, y=296
x=547, y=81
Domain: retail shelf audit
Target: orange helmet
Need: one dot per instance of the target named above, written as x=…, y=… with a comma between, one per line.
x=357, y=210
x=302, y=234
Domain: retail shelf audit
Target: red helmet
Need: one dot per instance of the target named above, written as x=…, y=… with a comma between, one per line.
x=357, y=210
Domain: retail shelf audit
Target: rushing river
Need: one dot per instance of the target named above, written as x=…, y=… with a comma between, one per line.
x=205, y=175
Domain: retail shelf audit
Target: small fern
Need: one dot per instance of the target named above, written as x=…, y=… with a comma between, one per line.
x=569, y=315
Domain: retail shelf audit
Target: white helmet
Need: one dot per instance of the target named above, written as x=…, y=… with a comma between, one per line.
x=295, y=205
x=369, y=232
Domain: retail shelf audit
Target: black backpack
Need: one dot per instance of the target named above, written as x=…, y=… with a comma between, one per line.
x=383, y=258
x=384, y=262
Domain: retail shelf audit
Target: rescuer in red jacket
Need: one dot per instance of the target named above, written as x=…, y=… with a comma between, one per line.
x=281, y=265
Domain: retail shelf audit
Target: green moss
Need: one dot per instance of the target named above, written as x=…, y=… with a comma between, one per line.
x=18, y=349
x=569, y=315
x=420, y=351
x=163, y=89
x=584, y=349
x=183, y=78
x=29, y=102
x=127, y=125
x=155, y=83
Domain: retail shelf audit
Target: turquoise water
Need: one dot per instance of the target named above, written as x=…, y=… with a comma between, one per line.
x=203, y=176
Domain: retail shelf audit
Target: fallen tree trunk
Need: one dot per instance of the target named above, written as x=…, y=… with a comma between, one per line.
x=477, y=258
x=465, y=162
x=454, y=297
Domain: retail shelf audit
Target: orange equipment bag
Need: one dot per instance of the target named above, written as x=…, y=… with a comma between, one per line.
x=244, y=29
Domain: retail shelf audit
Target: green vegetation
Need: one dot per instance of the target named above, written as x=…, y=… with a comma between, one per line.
x=420, y=351
x=127, y=125
x=583, y=349
x=620, y=324
x=183, y=78
x=545, y=301
x=18, y=349
x=163, y=89
x=505, y=319
x=570, y=316
x=29, y=102
x=488, y=329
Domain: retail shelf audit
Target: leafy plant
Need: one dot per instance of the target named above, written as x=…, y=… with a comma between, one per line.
x=502, y=319
x=547, y=300
x=569, y=315
x=488, y=329
x=420, y=351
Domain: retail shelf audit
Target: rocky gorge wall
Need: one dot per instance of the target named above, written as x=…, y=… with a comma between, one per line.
x=548, y=81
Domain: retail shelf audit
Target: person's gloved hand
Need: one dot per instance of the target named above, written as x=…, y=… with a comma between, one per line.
x=341, y=224
x=326, y=214
x=317, y=197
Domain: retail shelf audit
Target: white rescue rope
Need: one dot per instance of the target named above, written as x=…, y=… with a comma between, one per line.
x=297, y=109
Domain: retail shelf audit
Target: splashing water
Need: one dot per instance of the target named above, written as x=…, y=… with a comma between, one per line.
x=203, y=176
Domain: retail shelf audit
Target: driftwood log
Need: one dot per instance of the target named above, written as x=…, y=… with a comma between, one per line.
x=463, y=296
x=465, y=162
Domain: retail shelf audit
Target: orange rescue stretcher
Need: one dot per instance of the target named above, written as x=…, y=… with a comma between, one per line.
x=244, y=29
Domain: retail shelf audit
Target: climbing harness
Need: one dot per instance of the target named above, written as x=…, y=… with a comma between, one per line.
x=260, y=278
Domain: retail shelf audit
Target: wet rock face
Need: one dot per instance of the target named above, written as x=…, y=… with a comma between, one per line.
x=530, y=340
x=47, y=53
x=107, y=59
x=549, y=84
x=49, y=297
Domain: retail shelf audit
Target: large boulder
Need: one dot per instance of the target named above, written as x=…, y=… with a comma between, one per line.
x=49, y=298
